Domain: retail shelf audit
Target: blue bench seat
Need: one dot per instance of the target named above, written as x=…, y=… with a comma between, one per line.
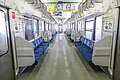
x=39, y=48
x=85, y=46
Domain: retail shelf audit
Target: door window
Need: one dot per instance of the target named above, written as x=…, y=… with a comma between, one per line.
x=3, y=34
x=98, y=28
x=89, y=29
x=29, y=33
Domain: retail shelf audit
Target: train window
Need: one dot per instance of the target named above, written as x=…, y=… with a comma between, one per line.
x=3, y=34
x=35, y=28
x=76, y=26
x=89, y=29
x=29, y=31
x=73, y=26
x=46, y=26
x=42, y=26
x=79, y=26
x=50, y=27
x=98, y=29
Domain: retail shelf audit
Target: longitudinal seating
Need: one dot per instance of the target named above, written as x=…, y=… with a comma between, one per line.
x=39, y=48
x=30, y=52
x=85, y=46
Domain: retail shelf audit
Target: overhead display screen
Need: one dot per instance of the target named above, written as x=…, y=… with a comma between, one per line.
x=56, y=9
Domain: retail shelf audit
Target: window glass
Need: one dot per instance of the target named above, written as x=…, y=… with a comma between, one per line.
x=82, y=27
x=73, y=25
x=89, y=29
x=98, y=28
x=46, y=26
x=50, y=25
x=3, y=34
x=42, y=26
x=89, y=35
x=35, y=28
x=29, y=31
x=79, y=26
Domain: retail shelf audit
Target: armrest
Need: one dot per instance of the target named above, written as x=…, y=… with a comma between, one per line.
x=25, y=52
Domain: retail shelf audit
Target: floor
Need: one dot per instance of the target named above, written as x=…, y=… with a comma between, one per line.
x=62, y=63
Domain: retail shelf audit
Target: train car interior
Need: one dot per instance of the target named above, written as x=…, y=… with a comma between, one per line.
x=59, y=39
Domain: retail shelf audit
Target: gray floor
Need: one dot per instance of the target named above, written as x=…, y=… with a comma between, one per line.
x=63, y=63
